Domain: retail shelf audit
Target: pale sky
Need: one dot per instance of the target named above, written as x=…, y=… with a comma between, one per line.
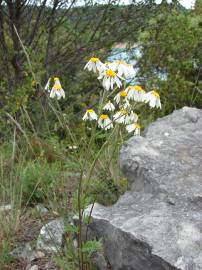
x=185, y=3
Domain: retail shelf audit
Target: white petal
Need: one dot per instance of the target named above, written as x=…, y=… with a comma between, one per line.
x=107, y=83
x=158, y=103
x=86, y=66
x=101, y=75
x=137, y=131
x=62, y=93
x=52, y=93
x=94, y=116
x=118, y=81
x=112, y=83
x=152, y=102
x=47, y=86
x=85, y=117
x=130, y=128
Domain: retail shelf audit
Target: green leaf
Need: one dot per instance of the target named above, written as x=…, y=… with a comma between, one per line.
x=91, y=246
x=86, y=219
x=72, y=229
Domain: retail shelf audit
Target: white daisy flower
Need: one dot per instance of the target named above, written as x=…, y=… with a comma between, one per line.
x=47, y=86
x=131, y=71
x=126, y=104
x=153, y=98
x=121, y=117
x=110, y=78
x=105, y=122
x=109, y=106
x=57, y=90
x=134, y=127
x=121, y=96
x=110, y=65
x=131, y=118
x=135, y=93
x=90, y=115
x=120, y=66
x=123, y=69
x=94, y=64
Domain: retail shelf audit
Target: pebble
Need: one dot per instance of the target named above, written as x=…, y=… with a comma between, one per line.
x=34, y=267
x=41, y=209
x=5, y=207
x=39, y=255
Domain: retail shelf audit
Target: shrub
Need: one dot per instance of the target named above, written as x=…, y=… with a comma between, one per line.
x=38, y=178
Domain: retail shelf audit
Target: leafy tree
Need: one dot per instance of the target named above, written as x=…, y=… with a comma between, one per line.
x=59, y=38
x=171, y=48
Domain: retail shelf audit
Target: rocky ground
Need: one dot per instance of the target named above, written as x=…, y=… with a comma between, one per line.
x=156, y=225
x=25, y=256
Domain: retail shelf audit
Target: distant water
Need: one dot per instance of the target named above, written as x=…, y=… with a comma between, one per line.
x=131, y=56
x=128, y=55
x=125, y=54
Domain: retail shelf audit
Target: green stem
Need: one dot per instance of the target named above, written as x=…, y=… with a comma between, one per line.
x=98, y=155
x=114, y=145
x=80, y=244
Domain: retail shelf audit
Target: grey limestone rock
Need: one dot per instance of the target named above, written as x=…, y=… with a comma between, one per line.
x=51, y=236
x=100, y=261
x=24, y=251
x=158, y=225
x=41, y=209
x=34, y=267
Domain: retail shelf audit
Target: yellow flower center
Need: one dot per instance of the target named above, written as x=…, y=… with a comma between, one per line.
x=123, y=111
x=130, y=87
x=120, y=62
x=94, y=59
x=137, y=126
x=57, y=87
x=123, y=93
x=34, y=83
x=156, y=94
x=110, y=73
x=56, y=79
x=104, y=116
x=138, y=88
x=90, y=111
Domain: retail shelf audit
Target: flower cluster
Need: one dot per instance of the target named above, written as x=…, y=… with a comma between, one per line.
x=113, y=76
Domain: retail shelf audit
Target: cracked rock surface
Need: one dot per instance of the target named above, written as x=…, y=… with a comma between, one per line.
x=50, y=237
x=158, y=225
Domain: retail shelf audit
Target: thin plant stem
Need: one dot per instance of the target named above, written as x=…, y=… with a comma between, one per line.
x=29, y=120
x=25, y=52
x=89, y=218
x=98, y=154
x=21, y=129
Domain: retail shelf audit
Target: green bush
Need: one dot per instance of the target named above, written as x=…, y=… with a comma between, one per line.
x=104, y=190
x=5, y=249
x=38, y=179
x=171, y=57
